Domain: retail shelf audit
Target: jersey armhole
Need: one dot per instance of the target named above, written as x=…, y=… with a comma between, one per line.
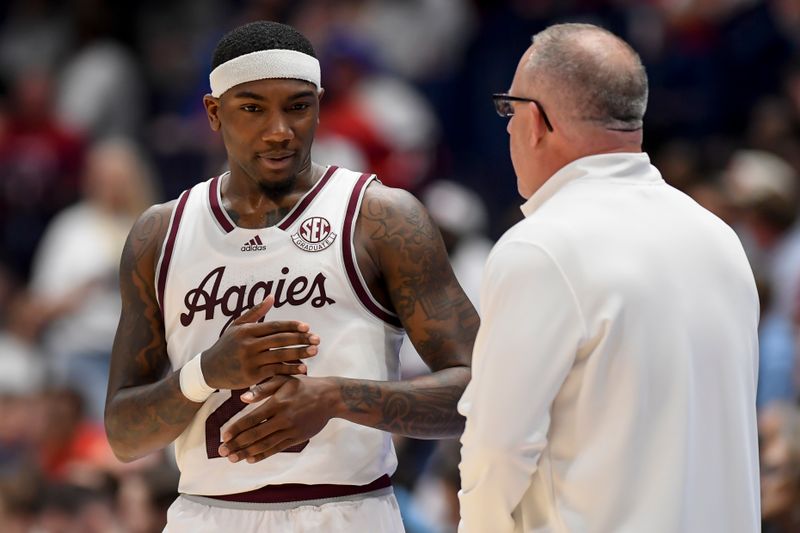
x=162, y=269
x=354, y=276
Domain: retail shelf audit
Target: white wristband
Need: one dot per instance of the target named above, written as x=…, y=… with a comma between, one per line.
x=193, y=384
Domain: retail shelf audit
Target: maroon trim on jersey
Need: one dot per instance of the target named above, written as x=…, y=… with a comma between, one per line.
x=216, y=209
x=163, y=269
x=296, y=492
x=307, y=199
x=348, y=254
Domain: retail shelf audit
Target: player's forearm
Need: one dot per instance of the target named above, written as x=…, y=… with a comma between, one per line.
x=424, y=407
x=140, y=420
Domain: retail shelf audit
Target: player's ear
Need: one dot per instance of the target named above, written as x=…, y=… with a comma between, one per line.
x=320, y=93
x=211, y=104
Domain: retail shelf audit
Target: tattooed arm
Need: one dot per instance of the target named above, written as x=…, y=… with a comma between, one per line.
x=145, y=411
x=405, y=264
x=403, y=260
x=145, y=408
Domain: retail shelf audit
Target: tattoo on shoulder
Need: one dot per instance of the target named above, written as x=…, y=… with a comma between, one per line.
x=412, y=227
x=421, y=260
x=140, y=355
x=141, y=329
x=146, y=234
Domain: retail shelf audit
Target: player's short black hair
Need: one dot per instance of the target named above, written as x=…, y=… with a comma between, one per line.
x=257, y=36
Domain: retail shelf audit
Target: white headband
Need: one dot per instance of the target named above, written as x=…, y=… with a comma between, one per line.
x=262, y=65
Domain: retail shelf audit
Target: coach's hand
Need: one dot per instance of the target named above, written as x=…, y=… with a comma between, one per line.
x=249, y=351
x=298, y=408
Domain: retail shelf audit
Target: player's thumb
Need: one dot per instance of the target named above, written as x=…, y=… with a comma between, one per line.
x=257, y=312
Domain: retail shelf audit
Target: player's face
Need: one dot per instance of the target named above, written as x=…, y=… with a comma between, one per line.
x=268, y=127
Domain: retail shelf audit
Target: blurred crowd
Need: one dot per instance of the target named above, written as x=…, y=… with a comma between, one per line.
x=101, y=116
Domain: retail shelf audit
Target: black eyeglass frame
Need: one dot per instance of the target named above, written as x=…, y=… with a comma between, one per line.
x=499, y=98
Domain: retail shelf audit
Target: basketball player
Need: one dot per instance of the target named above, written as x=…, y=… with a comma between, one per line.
x=263, y=312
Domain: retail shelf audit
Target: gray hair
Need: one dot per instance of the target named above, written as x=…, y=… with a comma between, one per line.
x=600, y=74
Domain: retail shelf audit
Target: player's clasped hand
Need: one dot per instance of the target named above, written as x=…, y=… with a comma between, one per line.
x=298, y=408
x=249, y=351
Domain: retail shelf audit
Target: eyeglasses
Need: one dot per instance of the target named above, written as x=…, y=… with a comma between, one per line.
x=502, y=104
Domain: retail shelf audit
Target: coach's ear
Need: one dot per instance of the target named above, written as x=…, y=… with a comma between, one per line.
x=211, y=104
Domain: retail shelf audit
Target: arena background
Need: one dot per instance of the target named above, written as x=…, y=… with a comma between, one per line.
x=101, y=115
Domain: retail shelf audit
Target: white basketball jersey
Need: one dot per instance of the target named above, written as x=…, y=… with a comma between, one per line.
x=210, y=271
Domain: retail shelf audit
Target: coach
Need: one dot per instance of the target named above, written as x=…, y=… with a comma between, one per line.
x=614, y=373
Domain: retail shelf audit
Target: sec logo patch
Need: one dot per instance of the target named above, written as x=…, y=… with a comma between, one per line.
x=314, y=235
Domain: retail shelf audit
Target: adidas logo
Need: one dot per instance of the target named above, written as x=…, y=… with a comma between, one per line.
x=254, y=245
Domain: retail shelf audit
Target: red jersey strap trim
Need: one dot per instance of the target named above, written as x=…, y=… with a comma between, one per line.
x=303, y=204
x=294, y=492
x=220, y=215
x=349, y=255
x=227, y=225
x=169, y=245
